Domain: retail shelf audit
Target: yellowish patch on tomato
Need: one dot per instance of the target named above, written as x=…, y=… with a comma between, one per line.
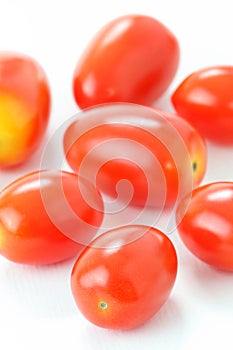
x=15, y=129
x=199, y=166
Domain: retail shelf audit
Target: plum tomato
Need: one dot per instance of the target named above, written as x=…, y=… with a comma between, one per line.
x=205, y=99
x=194, y=142
x=136, y=154
x=206, y=224
x=24, y=107
x=124, y=277
x=131, y=59
x=47, y=217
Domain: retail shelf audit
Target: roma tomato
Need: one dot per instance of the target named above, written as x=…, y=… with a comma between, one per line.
x=24, y=107
x=205, y=224
x=124, y=277
x=48, y=216
x=136, y=153
x=194, y=142
x=132, y=59
x=205, y=99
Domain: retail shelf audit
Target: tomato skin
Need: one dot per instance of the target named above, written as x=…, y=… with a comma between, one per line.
x=194, y=142
x=122, y=141
x=24, y=107
x=132, y=59
x=206, y=224
x=204, y=98
x=44, y=218
x=131, y=269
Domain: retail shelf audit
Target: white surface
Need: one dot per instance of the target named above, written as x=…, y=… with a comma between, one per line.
x=36, y=307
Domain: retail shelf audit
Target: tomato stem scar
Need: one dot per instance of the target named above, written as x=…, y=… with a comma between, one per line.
x=103, y=305
x=194, y=166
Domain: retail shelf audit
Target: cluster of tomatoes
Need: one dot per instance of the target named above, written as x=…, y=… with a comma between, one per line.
x=122, y=277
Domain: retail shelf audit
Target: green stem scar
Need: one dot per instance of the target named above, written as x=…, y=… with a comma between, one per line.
x=103, y=305
x=194, y=166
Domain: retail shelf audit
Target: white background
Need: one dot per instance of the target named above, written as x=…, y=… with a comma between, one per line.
x=36, y=306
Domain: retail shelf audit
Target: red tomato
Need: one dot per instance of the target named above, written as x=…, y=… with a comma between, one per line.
x=205, y=99
x=124, y=277
x=205, y=224
x=119, y=143
x=24, y=107
x=132, y=59
x=194, y=142
x=48, y=216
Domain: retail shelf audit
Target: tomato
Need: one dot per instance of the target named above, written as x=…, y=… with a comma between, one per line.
x=48, y=216
x=205, y=224
x=194, y=142
x=131, y=59
x=24, y=107
x=205, y=99
x=124, y=277
x=135, y=153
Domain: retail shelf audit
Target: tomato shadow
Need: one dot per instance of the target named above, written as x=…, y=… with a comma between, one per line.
x=220, y=155
x=167, y=319
x=123, y=215
x=164, y=102
x=164, y=329
x=214, y=286
x=38, y=292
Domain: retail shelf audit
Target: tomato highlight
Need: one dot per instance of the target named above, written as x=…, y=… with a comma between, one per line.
x=136, y=154
x=205, y=99
x=124, y=277
x=47, y=217
x=131, y=59
x=205, y=224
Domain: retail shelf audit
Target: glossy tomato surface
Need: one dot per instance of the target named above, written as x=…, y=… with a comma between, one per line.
x=205, y=99
x=132, y=59
x=206, y=224
x=136, y=154
x=124, y=277
x=194, y=142
x=48, y=216
x=24, y=107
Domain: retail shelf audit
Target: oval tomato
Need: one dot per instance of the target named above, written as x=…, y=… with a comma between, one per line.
x=124, y=277
x=206, y=224
x=48, y=216
x=136, y=153
x=194, y=142
x=132, y=59
x=205, y=99
x=24, y=107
